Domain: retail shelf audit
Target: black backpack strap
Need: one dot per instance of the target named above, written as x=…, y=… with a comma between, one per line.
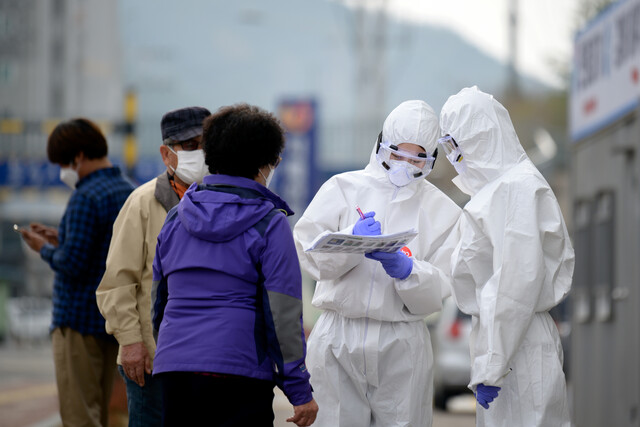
x=261, y=226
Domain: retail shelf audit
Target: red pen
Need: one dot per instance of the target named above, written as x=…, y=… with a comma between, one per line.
x=360, y=211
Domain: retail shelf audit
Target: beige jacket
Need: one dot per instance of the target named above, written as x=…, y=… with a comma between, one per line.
x=124, y=294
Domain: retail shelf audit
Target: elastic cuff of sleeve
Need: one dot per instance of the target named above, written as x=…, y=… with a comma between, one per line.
x=409, y=270
x=46, y=252
x=129, y=337
x=301, y=398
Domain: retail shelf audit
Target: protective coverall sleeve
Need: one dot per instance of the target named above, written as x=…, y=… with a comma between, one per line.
x=282, y=308
x=524, y=227
x=326, y=211
x=116, y=294
x=430, y=280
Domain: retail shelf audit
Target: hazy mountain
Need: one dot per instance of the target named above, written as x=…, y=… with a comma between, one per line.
x=217, y=52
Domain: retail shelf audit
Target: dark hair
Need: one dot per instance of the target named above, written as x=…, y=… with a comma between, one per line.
x=240, y=139
x=73, y=137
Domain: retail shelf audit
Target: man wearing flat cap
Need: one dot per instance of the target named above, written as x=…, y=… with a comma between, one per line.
x=124, y=293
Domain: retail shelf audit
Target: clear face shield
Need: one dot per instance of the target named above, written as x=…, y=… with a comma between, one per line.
x=404, y=166
x=453, y=153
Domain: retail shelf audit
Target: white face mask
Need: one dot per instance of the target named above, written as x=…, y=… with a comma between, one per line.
x=402, y=173
x=69, y=176
x=191, y=166
x=269, y=177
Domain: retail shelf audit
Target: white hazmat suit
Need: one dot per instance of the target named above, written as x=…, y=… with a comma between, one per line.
x=514, y=262
x=369, y=354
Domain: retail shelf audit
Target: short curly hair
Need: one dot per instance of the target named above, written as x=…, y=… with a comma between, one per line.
x=73, y=137
x=240, y=139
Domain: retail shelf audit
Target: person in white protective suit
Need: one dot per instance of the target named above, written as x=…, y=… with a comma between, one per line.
x=513, y=263
x=369, y=354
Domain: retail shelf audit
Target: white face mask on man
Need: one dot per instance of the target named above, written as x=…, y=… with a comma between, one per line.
x=191, y=166
x=69, y=176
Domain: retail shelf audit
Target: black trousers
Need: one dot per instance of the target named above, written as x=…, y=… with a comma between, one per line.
x=191, y=399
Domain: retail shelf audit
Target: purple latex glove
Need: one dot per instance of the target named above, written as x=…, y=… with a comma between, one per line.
x=396, y=264
x=367, y=226
x=485, y=394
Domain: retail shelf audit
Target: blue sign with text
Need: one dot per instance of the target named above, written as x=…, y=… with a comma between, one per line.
x=295, y=180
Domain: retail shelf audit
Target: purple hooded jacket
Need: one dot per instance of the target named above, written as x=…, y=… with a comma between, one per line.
x=227, y=294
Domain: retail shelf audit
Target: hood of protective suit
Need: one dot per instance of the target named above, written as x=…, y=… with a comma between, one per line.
x=483, y=129
x=412, y=122
x=219, y=216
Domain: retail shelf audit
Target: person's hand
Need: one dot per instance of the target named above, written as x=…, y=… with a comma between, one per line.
x=396, y=264
x=135, y=362
x=33, y=240
x=50, y=234
x=485, y=394
x=367, y=226
x=304, y=415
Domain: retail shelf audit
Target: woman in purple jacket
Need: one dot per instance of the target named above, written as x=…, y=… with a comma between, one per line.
x=227, y=286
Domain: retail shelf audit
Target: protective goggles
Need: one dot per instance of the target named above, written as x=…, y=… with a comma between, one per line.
x=451, y=149
x=422, y=161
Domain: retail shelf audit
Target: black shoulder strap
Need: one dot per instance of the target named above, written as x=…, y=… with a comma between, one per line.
x=172, y=214
x=261, y=226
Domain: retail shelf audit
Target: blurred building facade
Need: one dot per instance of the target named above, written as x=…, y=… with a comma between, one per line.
x=605, y=181
x=58, y=59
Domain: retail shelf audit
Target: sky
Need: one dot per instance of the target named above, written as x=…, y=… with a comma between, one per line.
x=545, y=36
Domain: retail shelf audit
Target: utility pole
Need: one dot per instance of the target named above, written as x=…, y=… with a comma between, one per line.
x=370, y=46
x=130, y=147
x=513, y=89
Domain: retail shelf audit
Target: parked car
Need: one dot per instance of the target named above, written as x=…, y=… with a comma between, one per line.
x=561, y=315
x=452, y=362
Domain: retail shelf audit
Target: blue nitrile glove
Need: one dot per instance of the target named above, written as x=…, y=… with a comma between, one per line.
x=396, y=264
x=367, y=226
x=485, y=394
